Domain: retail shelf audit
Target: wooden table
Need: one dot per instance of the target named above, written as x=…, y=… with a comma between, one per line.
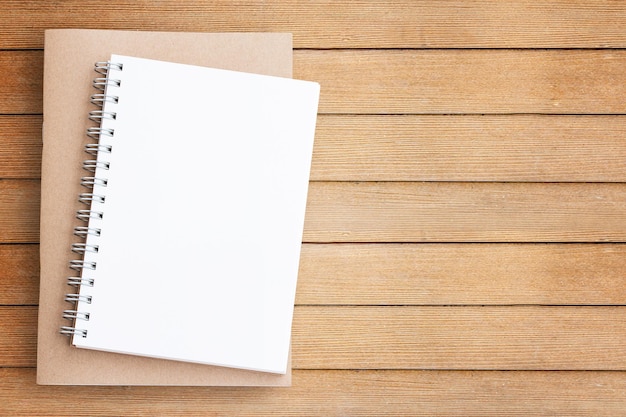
x=464, y=246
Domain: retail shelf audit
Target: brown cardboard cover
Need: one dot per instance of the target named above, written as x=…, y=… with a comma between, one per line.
x=68, y=72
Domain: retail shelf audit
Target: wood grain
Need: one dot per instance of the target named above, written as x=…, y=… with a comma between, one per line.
x=414, y=212
x=408, y=337
x=345, y=24
x=462, y=274
x=441, y=123
x=416, y=274
x=21, y=88
x=19, y=274
x=20, y=146
x=470, y=148
x=417, y=82
x=329, y=393
x=420, y=148
x=19, y=211
x=467, y=81
x=18, y=344
x=465, y=212
x=443, y=337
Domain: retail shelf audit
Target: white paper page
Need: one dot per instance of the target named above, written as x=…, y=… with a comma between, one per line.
x=203, y=218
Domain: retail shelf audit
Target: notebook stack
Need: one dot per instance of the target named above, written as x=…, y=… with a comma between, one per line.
x=174, y=184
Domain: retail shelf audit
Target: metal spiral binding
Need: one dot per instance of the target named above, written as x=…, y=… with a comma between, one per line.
x=96, y=184
x=77, y=281
x=83, y=247
x=96, y=132
x=91, y=182
x=73, y=331
x=97, y=115
x=78, y=264
x=85, y=215
x=72, y=298
x=82, y=231
x=94, y=148
x=103, y=67
x=89, y=197
x=103, y=83
x=91, y=165
x=100, y=99
x=73, y=314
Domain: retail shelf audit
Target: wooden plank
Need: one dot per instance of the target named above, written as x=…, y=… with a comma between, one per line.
x=414, y=212
x=19, y=211
x=19, y=274
x=417, y=82
x=21, y=88
x=465, y=212
x=462, y=274
x=409, y=337
x=513, y=338
x=420, y=148
x=330, y=393
x=390, y=24
x=18, y=344
x=467, y=81
x=416, y=274
x=470, y=148
x=20, y=146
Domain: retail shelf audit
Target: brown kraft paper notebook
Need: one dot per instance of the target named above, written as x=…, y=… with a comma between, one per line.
x=69, y=59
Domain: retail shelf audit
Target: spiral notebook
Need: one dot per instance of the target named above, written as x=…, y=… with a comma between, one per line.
x=195, y=212
x=220, y=299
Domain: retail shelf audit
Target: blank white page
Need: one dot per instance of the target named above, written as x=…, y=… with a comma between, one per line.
x=203, y=215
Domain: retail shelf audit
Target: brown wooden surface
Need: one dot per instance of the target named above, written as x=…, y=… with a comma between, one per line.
x=415, y=274
x=417, y=81
x=531, y=148
x=353, y=24
x=338, y=392
x=465, y=234
x=418, y=337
